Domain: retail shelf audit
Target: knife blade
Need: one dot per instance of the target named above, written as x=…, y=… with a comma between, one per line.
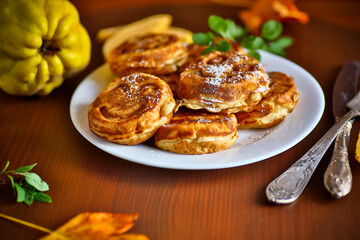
x=338, y=177
x=345, y=87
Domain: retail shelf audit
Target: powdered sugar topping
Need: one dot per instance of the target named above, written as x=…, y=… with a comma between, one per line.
x=230, y=69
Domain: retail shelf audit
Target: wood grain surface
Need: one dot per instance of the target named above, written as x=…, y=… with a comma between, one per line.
x=177, y=204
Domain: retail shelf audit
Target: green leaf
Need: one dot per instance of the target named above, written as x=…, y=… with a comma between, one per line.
x=208, y=50
x=225, y=27
x=281, y=43
x=254, y=54
x=217, y=24
x=269, y=39
x=271, y=30
x=235, y=31
x=203, y=39
x=278, y=46
x=20, y=193
x=24, y=168
x=34, y=180
x=12, y=181
x=29, y=198
x=42, y=197
x=253, y=42
x=30, y=192
x=6, y=166
x=223, y=46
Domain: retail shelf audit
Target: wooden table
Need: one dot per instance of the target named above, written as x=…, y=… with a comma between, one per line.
x=177, y=204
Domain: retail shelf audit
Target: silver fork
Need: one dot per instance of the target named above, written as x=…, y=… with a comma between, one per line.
x=289, y=185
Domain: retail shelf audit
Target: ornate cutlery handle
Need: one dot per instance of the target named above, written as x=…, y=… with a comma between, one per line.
x=338, y=177
x=288, y=186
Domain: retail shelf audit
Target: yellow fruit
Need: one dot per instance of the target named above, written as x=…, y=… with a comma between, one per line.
x=153, y=24
x=42, y=42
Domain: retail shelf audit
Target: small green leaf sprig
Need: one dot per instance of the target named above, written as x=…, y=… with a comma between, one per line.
x=29, y=186
x=223, y=27
x=269, y=39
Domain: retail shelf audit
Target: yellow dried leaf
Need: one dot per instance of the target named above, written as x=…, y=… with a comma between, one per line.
x=93, y=226
x=357, y=148
x=130, y=236
x=288, y=11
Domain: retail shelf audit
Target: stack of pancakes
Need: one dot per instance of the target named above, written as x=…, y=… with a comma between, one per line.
x=192, y=103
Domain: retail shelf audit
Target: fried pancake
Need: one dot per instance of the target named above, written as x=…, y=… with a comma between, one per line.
x=172, y=79
x=195, y=51
x=152, y=53
x=131, y=109
x=224, y=82
x=195, y=132
x=273, y=108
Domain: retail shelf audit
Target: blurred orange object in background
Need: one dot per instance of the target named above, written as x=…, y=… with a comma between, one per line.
x=263, y=10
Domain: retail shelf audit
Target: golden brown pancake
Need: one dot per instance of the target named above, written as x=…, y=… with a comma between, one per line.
x=195, y=51
x=273, y=108
x=224, y=82
x=172, y=79
x=131, y=109
x=195, y=132
x=152, y=53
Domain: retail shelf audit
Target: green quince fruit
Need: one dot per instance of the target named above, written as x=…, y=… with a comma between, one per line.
x=41, y=43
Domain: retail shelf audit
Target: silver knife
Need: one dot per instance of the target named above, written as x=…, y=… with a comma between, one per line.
x=338, y=177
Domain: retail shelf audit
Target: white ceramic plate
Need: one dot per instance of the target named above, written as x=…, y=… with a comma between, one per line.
x=252, y=145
